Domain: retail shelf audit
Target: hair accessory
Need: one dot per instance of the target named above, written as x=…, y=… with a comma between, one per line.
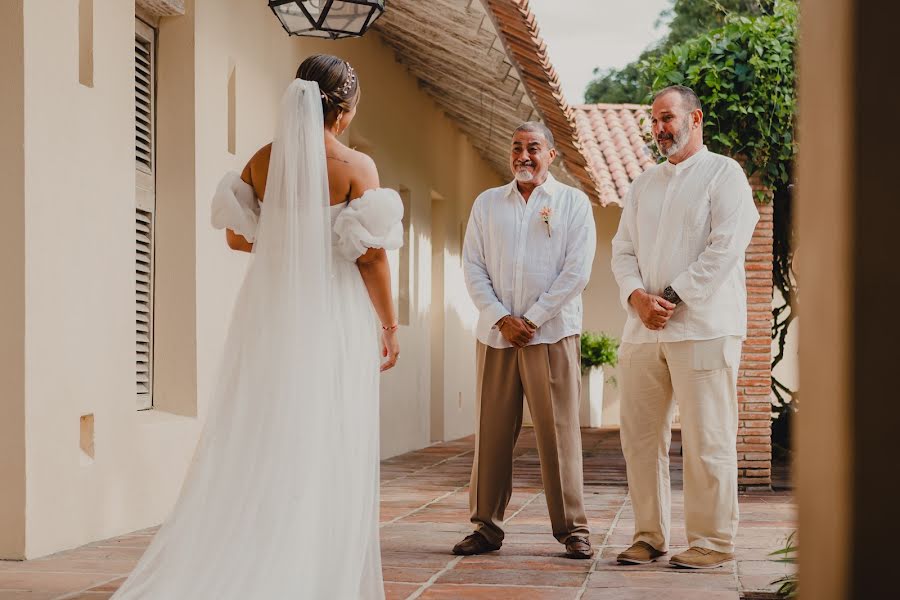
x=351, y=79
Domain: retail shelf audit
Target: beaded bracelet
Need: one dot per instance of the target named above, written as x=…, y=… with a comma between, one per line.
x=393, y=327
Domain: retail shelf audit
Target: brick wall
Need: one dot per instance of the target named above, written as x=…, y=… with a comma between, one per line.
x=754, y=445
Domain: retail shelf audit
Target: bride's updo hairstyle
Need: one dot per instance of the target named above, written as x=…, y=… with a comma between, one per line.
x=337, y=82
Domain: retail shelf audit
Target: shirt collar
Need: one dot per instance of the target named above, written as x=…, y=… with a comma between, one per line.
x=549, y=186
x=688, y=162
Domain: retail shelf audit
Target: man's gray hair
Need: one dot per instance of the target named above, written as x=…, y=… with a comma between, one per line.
x=537, y=127
x=688, y=96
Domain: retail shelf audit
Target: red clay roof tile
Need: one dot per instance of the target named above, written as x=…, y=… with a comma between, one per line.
x=612, y=136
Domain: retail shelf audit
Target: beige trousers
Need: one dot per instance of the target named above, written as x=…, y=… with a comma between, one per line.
x=549, y=376
x=702, y=376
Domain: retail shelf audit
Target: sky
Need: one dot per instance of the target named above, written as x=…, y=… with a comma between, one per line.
x=583, y=34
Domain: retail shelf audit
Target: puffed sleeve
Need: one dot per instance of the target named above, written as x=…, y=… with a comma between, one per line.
x=371, y=221
x=235, y=207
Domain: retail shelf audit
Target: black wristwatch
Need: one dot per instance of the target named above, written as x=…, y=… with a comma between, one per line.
x=671, y=295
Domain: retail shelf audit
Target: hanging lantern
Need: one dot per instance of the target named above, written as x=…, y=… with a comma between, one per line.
x=332, y=19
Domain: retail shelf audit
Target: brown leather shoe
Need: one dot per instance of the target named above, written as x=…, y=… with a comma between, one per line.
x=640, y=553
x=700, y=558
x=475, y=543
x=578, y=547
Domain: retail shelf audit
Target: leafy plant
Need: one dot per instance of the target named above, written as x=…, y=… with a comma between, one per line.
x=685, y=19
x=789, y=584
x=598, y=349
x=744, y=75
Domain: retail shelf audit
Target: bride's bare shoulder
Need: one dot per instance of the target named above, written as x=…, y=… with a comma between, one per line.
x=364, y=174
x=259, y=161
x=257, y=169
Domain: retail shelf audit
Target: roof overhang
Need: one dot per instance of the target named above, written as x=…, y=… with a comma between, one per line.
x=486, y=66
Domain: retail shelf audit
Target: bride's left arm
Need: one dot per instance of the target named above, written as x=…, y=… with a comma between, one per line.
x=257, y=169
x=376, y=272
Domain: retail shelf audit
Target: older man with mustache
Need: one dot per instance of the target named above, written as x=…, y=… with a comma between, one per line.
x=678, y=258
x=527, y=257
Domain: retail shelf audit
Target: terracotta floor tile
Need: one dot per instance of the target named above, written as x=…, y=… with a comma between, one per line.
x=672, y=578
x=416, y=559
x=408, y=574
x=425, y=511
x=462, y=592
x=109, y=586
x=656, y=594
x=70, y=565
x=49, y=582
x=399, y=591
x=486, y=562
x=509, y=577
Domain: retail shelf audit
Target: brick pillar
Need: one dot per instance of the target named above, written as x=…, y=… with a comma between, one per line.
x=754, y=444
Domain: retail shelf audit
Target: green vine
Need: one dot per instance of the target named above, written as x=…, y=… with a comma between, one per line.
x=744, y=75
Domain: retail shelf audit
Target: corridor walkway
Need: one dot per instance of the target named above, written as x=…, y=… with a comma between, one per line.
x=424, y=511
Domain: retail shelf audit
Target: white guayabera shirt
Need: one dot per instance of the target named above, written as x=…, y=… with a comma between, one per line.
x=514, y=266
x=688, y=226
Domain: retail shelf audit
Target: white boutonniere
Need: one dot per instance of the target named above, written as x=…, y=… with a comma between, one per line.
x=546, y=213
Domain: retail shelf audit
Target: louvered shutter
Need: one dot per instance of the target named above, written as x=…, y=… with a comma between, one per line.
x=145, y=209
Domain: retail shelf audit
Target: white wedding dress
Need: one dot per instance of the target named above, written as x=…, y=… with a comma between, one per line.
x=281, y=499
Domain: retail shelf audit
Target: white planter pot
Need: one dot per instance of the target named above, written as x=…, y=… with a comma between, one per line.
x=591, y=410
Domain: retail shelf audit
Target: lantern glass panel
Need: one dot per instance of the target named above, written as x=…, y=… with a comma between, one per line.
x=327, y=18
x=347, y=16
x=292, y=17
x=315, y=8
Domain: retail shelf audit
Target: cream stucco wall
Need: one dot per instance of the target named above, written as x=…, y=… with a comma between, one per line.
x=79, y=259
x=71, y=248
x=602, y=309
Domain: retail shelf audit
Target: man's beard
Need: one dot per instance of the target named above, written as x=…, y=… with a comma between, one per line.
x=523, y=175
x=679, y=141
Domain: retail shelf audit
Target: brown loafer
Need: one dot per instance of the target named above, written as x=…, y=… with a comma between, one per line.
x=640, y=553
x=475, y=543
x=578, y=547
x=700, y=558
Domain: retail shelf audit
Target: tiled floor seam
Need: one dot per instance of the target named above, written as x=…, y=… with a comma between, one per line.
x=448, y=567
x=425, y=468
x=521, y=508
x=456, y=560
x=599, y=551
x=69, y=595
x=423, y=507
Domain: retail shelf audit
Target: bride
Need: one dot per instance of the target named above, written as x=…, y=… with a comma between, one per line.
x=281, y=498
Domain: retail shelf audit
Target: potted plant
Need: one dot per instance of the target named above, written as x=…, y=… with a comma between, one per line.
x=597, y=350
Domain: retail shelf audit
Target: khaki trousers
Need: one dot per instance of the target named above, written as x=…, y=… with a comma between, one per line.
x=702, y=375
x=549, y=376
